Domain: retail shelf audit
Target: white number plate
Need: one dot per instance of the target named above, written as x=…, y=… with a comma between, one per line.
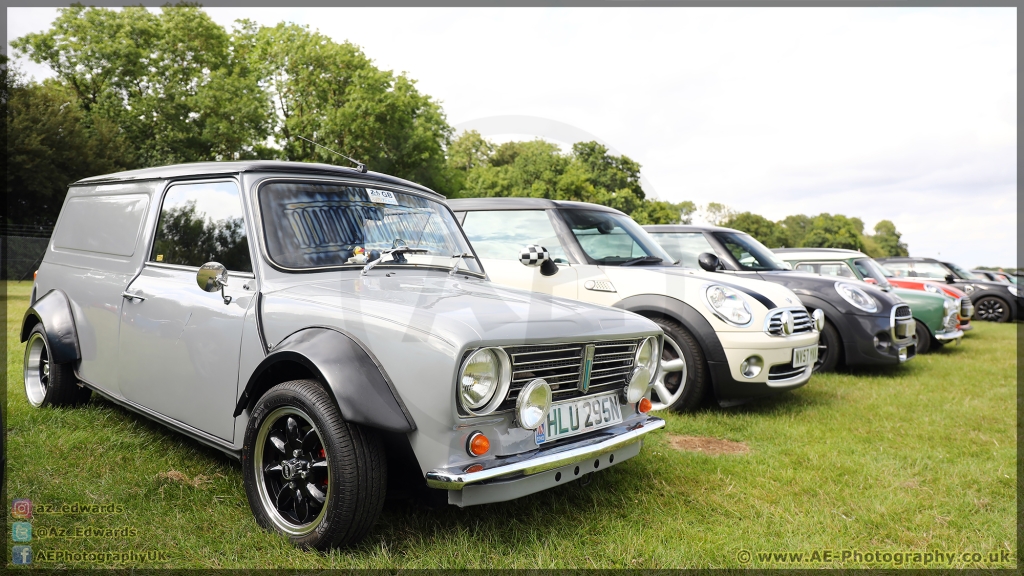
x=574, y=417
x=804, y=356
x=381, y=196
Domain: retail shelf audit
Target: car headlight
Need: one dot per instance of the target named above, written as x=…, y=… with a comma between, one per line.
x=639, y=382
x=728, y=305
x=931, y=288
x=1013, y=290
x=856, y=296
x=484, y=380
x=947, y=305
x=533, y=404
x=647, y=356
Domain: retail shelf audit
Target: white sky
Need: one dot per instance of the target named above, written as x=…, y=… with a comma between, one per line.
x=905, y=114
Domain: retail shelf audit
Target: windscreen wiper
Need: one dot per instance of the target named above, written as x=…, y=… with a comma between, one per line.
x=459, y=261
x=398, y=247
x=641, y=260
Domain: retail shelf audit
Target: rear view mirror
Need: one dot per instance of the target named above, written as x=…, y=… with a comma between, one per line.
x=537, y=256
x=709, y=262
x=213, y=276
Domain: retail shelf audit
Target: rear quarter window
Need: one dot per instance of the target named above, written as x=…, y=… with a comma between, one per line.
x=101, y=224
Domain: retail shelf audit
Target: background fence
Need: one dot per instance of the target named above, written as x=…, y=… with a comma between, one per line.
x=21, y=250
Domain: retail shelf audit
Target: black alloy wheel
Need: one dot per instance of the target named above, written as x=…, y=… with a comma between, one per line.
x=992, y=309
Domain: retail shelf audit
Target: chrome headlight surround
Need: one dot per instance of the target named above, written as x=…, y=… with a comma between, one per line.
x=1013, y=290
x=653, y=361
x=856, y=296
x=948, y=306
x=533, y=404
x=497, y=391
x=718, y=297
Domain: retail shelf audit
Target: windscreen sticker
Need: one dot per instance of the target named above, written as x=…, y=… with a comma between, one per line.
x=382, y=196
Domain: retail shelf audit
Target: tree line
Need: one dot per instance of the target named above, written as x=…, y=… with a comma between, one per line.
x=133, y=88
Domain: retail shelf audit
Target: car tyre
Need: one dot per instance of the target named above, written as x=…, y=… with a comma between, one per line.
x=992, y=309
x=683, y=380
x=830, y=349
x=308, y=473
x=922, y=337
x=49, y=383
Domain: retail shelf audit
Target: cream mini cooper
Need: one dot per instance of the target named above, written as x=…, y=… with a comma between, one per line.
x=342, y=338
x=733, y=337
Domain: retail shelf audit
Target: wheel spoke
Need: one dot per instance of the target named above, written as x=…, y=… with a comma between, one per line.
x=676, y=365
x=320, y=464
x=292, y=430
x=283, y=496
x=274, y=468
x=278, y=443
x=301, y=507
x=315, y=493
x=664, y=396
x=310, y=441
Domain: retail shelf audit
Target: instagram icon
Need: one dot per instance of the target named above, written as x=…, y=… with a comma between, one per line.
x=21, y=508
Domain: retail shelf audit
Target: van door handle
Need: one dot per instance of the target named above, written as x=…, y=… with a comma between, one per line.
x=131, y=297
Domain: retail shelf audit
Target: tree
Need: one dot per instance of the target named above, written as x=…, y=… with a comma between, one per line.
x=887, y=238
x=539, y=169
x=332, y=94
x=795, y=228
x=175, y=83
x=767, y=232
x=838, y=231
x=51, y=142
x=715, y=213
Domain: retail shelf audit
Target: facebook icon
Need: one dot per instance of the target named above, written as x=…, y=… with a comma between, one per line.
x=21, y=555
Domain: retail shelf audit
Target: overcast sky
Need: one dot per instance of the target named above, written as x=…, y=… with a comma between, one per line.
x=901, y=114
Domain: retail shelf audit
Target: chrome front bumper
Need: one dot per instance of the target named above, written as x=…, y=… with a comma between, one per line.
x=542, y=460
x=947, y=336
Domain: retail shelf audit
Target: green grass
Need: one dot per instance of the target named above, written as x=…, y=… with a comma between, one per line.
x=915, y=458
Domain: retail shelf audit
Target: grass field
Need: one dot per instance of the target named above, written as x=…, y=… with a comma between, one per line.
x=913, y=459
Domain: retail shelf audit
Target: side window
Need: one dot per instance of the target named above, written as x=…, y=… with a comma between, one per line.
x=500, y=235
x=202, y=223
x=899, y=269
x=684, y=246
x=809, y=268
x=836, y=269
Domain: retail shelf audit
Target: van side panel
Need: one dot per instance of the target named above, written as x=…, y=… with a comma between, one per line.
x=97, y=247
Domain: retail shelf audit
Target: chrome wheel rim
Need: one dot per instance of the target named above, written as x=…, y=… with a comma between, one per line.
x=671, y=381
x=989, y=309
x=292, y=472
x=37, y=369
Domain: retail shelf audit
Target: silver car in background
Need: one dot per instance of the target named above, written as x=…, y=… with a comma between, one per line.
x=342, y=337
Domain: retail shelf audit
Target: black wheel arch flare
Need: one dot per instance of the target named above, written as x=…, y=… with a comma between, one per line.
x=53, y=311
x=355, y=380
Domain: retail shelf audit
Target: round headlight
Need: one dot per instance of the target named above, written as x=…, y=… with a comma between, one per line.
x=1013, y=290
x=533, y=404
x=483, y=380
x=639, y=382
x=931, y=288
x=856, y=296
x=819, y=319
x=647, y=355
x=728, y=305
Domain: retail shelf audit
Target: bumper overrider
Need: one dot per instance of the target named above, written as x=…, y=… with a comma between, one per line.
x=521, y=474
x=951, y=329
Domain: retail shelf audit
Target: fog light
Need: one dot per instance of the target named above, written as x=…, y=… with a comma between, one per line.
x=639, y=382
x=643, y=406
x=751, y=367
x=533, y=404
x=819, y=320
x=478, y=444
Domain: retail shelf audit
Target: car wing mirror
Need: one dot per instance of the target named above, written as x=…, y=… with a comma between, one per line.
x=950, y=279
x=537, y=256
x=213, y=276
x=709, y=262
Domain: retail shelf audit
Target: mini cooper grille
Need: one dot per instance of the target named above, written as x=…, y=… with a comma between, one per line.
x=951, y=322
x=784, y=372
x=966, y=307
x=802, y=322
x=559, y=365
x=903, y=313
x=902, y=322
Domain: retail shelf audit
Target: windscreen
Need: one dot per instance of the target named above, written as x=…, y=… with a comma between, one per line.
x=964, y=273
x=871, y=269
x=613, y=239
x=316, y=225
x=748, y=252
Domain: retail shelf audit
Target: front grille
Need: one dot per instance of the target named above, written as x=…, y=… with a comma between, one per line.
x=802, y=321
x=559, y=365
x=903, y=313
x=951, y=322
x=966, y=307
x=902, y=322
x=784, y=372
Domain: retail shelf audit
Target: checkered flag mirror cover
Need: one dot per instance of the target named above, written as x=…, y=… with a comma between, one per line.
x=533, y=255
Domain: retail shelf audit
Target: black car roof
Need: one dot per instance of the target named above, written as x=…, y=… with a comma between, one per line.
x=202, y=169
x=506, y=203
x=906, y=259
x=688, y=228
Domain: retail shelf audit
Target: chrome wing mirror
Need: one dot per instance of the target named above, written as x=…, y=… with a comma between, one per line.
x=534, y=256
x=213, y=276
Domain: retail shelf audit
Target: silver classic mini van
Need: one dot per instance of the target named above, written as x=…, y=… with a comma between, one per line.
x=329, y=328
